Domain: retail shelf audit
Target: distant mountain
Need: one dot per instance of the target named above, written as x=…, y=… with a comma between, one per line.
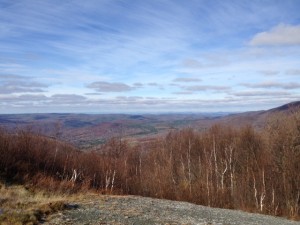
x=258, y=118
x=290, y=107
x=89, y=130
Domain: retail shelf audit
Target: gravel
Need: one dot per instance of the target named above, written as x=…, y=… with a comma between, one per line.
x=136, y=210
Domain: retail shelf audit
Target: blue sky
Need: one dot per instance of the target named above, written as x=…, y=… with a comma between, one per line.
x=103, y=56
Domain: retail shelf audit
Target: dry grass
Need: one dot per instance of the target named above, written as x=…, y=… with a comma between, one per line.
x=21, y=205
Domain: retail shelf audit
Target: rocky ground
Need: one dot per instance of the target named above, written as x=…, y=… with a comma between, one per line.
x=131, y=210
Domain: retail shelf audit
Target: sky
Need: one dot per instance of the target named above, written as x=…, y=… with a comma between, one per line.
x=152, y=56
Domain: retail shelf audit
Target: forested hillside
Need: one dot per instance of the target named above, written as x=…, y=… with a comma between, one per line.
x=238, y=168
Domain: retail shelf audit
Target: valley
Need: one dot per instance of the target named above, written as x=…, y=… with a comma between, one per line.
x=88, y=131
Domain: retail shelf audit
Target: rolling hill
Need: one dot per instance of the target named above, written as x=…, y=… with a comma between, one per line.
x=89, y=130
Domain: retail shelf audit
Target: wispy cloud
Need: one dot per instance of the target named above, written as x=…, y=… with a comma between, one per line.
x=153, y=84
x=193, y=63
x=183, y=93
x=291, y=85
x=187, y=79
x=102, y=86
x=69, y=103
x=262, y=93
x=282, y=34
x=21, y=99
x=138, y=84
x=10, y=84
x=269, y=72
x=205, y=88
x=293, y=72
x=67, y=99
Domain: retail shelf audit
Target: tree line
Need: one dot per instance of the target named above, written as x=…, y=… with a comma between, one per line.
x=227, y=167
